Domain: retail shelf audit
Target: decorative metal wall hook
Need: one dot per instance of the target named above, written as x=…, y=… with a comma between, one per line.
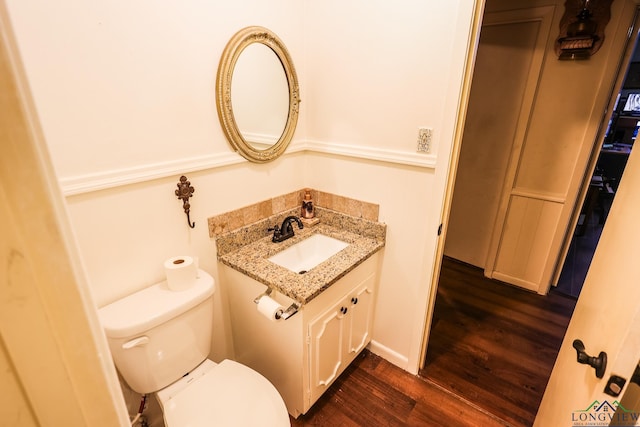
x=184, y=192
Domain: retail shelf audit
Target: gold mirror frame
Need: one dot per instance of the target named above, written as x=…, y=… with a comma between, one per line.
x=232, y=51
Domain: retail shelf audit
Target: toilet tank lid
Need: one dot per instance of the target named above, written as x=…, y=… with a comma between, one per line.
x=149, y=307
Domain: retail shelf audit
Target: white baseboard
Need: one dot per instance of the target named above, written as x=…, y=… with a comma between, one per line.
x=389, y=355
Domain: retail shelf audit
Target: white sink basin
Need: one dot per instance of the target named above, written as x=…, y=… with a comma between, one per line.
x=308, y=253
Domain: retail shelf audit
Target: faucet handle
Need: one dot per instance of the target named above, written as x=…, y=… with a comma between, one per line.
x=276, y=232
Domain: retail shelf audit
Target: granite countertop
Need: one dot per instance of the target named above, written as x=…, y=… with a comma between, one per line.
x=364, y=238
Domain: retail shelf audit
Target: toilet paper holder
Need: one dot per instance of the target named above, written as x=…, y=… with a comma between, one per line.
x=281, y=314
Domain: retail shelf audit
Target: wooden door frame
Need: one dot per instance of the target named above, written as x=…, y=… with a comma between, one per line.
x=417, y=363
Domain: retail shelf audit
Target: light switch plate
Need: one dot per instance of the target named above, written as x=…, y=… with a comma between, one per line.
x=424, y=140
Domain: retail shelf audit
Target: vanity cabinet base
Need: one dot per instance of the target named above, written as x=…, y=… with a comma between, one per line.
x=304, y=354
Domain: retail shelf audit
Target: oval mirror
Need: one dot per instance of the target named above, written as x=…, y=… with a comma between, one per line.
x=257, y=94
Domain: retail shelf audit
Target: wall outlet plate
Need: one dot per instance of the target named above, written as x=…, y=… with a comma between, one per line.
x=424, y=140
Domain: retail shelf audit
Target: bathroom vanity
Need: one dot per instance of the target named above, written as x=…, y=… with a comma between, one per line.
x=335, y=303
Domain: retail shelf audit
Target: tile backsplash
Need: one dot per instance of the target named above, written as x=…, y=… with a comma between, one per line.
x=233, y=220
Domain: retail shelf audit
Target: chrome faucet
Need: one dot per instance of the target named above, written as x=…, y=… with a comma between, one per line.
x=285, y=231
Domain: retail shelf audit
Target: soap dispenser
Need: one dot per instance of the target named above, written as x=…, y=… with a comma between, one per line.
x=307, y=210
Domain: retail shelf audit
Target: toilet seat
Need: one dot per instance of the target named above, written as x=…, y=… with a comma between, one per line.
x=227, y=394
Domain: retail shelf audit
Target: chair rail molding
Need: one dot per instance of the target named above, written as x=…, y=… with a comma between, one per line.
x=87, y=183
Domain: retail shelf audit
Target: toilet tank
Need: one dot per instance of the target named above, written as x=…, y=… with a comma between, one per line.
x=157, y=335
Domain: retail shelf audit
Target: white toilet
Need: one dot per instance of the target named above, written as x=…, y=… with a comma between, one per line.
x=160, y=341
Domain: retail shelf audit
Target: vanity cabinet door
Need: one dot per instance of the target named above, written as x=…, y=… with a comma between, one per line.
x=360, y=318
x=338, y=335
x=328, y=347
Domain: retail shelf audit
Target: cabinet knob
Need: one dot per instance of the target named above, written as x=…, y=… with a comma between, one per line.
x=354, y=300
x=343, y=310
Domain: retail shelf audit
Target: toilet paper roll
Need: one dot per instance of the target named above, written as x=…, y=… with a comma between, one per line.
x=181, y=272
x=269, y=307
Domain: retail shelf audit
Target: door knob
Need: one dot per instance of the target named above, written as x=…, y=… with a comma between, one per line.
x=598, y=363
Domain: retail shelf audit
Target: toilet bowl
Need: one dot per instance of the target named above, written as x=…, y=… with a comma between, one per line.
x=160, y=341
x=228, y=393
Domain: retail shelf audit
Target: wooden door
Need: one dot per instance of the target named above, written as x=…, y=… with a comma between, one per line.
x=509, y=60
x=606, y=319
x=55, y=365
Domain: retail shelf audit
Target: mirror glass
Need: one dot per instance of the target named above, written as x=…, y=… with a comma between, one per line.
x=260, y=96
x=257, y=94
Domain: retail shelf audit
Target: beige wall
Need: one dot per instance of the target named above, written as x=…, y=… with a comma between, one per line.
x=121, y=85
x=373, y=76
x=125, y=93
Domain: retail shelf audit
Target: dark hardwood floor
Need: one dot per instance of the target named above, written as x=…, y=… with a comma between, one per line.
x=494, y=344
x=491, y=350
x=372, y=392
